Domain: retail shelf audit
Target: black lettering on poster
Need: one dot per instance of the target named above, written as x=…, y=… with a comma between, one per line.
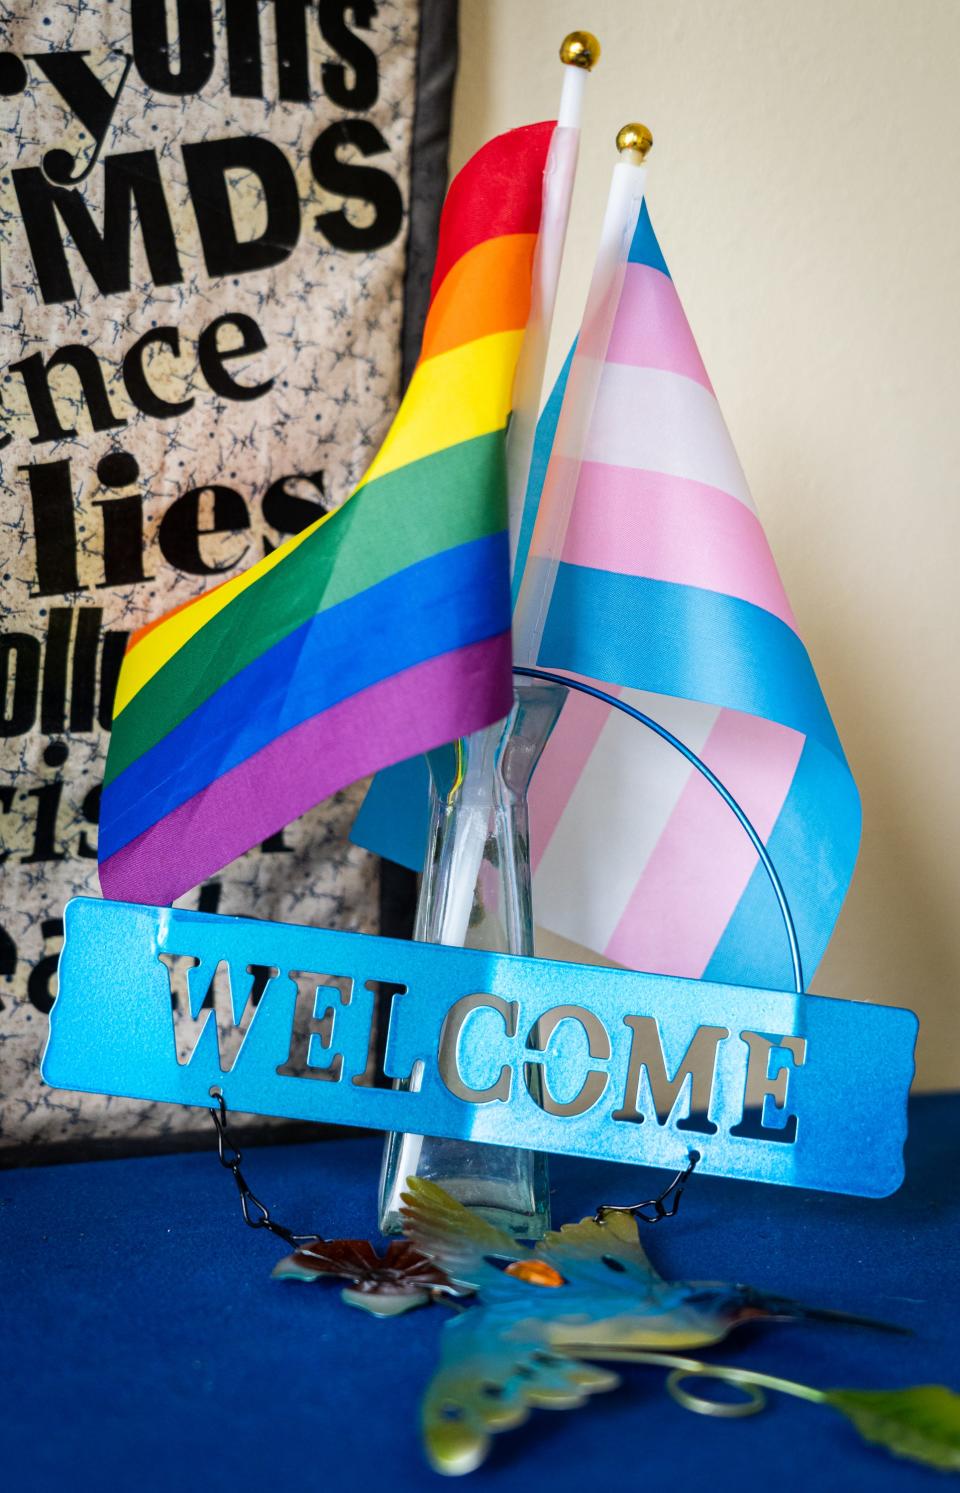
x=365, y=183
x=82, y=203
x=131, y=181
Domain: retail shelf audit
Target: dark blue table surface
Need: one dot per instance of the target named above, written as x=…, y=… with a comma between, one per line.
x=144, y=1345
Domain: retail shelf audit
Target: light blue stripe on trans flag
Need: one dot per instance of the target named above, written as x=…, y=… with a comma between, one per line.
x=813, y=846
x=684, y=641
x=645, y=249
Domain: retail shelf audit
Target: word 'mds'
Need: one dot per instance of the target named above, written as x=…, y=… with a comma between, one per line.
x=54, y=212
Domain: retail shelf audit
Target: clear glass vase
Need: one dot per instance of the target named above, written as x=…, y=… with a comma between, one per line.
x=475, y=893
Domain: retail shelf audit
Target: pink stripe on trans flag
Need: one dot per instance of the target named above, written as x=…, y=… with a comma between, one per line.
x=690, y=886
x=670, y=528
x=651, y=330
x=564, y=758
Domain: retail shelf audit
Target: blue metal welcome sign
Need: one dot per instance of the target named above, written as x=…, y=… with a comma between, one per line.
x=156, y=1003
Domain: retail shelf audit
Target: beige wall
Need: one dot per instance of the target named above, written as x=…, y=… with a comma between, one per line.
x=805, y=184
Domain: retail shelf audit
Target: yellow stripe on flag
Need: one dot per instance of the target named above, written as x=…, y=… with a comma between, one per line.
x=452, y=398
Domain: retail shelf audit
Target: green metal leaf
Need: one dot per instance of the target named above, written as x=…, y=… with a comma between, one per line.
x=921, y=1423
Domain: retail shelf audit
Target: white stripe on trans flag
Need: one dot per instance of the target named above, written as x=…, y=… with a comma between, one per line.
x=612, y=821
x=656, y=421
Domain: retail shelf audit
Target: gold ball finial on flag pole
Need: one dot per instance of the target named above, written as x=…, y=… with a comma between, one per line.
x=636, y=139
x=580, y=49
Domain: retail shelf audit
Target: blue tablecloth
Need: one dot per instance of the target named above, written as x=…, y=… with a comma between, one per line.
x=145, y=1347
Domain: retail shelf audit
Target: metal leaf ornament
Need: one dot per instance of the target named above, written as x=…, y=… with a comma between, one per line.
x=921, y=1423
x=588, y=1291
x=385, y=1285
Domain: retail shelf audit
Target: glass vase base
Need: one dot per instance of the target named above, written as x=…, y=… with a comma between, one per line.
x=476, y=893
x=506, y=1187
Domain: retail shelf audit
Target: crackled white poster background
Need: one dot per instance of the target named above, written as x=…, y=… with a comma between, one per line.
x=202, y=242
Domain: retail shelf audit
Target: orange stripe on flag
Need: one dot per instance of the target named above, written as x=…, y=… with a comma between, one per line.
x=487, y=290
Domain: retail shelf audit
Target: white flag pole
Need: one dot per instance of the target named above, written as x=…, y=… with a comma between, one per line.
x=579, y=54
x=556, y=500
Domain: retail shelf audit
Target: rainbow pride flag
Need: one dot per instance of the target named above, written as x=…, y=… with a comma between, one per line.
x=381, y=631
x=663, y=589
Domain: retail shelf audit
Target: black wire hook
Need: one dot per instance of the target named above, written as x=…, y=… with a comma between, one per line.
x=673, y=1191
x=230, y=1158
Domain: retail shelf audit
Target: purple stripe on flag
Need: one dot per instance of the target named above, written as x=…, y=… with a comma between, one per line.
x=651, y=330
x=690, y=886
x=671, y=528
x=411, y=712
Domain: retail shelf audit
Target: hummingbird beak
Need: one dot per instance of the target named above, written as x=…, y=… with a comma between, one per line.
x=756, y=1304
x=847, y=1319
x=747, y=1304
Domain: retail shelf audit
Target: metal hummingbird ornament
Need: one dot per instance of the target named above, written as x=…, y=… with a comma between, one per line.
x=585, y=1291
x=529, y=1324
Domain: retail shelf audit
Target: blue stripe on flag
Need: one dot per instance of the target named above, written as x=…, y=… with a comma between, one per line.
x=539, y=461
x=645, y=249
x=813, y=846
x=460, y=599
x=394, y=817
x=683, y=641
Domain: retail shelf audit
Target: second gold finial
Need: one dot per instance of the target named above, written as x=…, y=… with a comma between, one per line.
x=580, y=49
x=635, y=137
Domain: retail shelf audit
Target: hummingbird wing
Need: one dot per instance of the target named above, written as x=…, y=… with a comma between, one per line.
x=493, y=1371
x=496, y=1360
x=608, y=1253
x=470, y=1250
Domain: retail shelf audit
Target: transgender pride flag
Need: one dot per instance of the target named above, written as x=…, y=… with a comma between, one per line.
x=653, y=578
x=662, y=585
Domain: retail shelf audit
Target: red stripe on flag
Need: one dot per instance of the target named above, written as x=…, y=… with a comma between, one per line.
x=493, y=195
